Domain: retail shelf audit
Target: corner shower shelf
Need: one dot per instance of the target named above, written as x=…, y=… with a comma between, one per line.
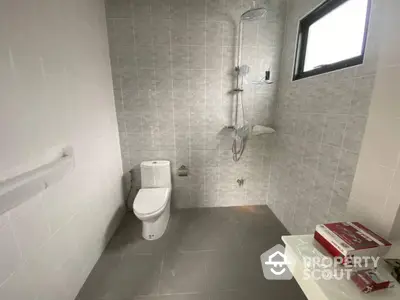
x=15, y=191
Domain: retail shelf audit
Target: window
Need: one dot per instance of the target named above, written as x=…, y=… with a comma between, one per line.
x=332, y=37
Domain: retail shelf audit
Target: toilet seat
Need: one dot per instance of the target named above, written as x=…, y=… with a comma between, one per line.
x=151, y=201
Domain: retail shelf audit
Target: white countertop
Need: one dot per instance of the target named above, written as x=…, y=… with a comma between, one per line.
x=301, y=246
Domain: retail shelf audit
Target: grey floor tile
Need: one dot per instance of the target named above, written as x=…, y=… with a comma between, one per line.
x=272, y=290
x=208, y=230
x=258, y=239
x=205, y=254
x=234, y=271
x=139, y=275
x=99, y=279
x=176, y=297
x=128, y=237
x=183, y=273
x=258, y=218
x=237, y=295
x=259, y=227
x=124, y=278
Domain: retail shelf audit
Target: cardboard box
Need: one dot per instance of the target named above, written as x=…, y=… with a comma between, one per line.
x=350, y=239
x=370, y=280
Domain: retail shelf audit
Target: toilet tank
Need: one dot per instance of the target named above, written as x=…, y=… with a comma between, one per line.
x=156, y=174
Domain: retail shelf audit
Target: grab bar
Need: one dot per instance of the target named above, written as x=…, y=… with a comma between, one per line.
x=15, y=191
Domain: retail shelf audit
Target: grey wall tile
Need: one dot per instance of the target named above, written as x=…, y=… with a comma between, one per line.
x=328, y=161
x=146, y=80
x=315, y=127
x=196, y=32
x=145, y=57
x=180, y=88
x=141, y=12
x=354, y=133
x=329, y=112
x=250, y=34
x=178, y=9
x=213, y=86
x=120, y=34
x=214, y=33
x=216, y=10
x=347, y=166
x=181, y=197
x=228, y=59
x=213, y=57
x=179, y=32
x=342, y=189
x=118, y=9
x=311, y=154
x=334, y=130
x=162, y=32
x=300, y=220
x=180, y=57
x=132, y=122
x=119, y=104
x=197, y=57
x=162, y=58
x=230, y=34
x=173, y=63
x=143, y=32
x=319, y=213
x=300, y=129
x=197, y=139
x=197, y=10
x=362, y=95
x=338, y=208
x=160, y=10
x=163, y=80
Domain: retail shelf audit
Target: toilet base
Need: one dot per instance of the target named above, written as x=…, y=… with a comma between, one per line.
x=153, y=229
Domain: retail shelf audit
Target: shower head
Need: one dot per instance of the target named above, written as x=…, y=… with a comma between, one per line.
x=254, y=14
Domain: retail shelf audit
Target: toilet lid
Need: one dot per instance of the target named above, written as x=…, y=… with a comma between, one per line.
x=148, y=201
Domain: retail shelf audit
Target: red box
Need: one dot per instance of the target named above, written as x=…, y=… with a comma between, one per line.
x=370, y=280
x=349, y=239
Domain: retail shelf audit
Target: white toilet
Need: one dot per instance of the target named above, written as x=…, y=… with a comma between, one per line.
x=152, y=203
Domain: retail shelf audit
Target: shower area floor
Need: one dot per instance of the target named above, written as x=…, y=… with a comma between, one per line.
x=206, y=254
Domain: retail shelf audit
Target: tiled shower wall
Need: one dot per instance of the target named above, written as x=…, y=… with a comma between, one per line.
x=320, y=123
x=172, y=64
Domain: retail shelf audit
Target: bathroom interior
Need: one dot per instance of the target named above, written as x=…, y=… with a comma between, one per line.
x=154, y=149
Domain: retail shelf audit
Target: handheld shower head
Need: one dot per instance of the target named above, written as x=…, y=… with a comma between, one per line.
x=244, y=70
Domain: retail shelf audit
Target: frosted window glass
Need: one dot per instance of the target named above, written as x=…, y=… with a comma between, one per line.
x=337, y=36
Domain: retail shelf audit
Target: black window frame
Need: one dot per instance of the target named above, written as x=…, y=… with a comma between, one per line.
x=302, y=38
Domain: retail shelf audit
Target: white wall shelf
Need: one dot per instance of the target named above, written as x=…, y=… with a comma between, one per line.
x=301, y=246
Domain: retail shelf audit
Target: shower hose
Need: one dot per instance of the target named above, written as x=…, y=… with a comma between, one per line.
x=239, y=142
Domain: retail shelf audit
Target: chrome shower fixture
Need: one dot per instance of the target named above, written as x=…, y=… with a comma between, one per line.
x=244, y=70
x=241, y=132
